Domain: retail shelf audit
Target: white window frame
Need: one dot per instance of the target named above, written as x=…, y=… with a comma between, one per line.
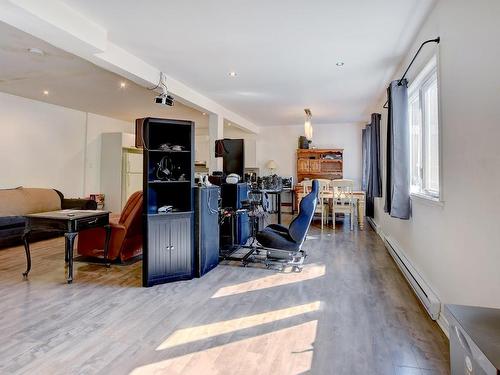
x=423, y=80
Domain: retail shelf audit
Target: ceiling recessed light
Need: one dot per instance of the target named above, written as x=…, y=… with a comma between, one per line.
x=36, y=51
x=340, y=63
x=228, y=124
x=232, y=74
x=204, y=113
x=122, y=85
x=45, y=92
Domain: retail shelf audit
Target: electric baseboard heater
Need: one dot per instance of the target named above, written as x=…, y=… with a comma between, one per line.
x=423, y=291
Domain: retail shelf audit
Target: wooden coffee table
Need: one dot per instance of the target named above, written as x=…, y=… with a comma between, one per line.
x=69, y=222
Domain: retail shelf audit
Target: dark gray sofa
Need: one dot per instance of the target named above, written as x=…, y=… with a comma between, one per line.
x=14, y=203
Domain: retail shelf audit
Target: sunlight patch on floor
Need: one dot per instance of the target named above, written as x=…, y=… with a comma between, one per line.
x=310, y=271
x=285, y=351
x=186, y=335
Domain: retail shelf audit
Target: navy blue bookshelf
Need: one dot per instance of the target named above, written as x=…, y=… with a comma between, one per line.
x=168, y=180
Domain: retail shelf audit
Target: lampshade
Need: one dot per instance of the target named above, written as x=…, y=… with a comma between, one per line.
x=308, y=129
x=271, y=164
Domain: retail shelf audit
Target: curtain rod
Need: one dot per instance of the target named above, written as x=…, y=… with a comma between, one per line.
x=436, y=40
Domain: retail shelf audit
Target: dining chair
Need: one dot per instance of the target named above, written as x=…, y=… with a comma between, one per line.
x=322, y=207
x=343, y=200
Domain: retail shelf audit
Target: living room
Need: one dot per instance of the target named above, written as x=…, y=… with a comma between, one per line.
x=110, y=131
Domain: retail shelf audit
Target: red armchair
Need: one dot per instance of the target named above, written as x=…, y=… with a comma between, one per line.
x=126, y=234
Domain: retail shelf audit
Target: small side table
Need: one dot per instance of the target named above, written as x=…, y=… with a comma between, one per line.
x=69, y=222
x=277, y=193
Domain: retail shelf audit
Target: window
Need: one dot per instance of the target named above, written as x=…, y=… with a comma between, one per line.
x=423, y=115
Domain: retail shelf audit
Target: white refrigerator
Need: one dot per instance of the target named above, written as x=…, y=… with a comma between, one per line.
x=132, y=174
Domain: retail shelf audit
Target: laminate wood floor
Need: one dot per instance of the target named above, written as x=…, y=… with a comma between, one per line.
x=349, y=312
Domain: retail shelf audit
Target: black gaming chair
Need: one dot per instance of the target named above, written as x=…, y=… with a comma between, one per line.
x=277, y=238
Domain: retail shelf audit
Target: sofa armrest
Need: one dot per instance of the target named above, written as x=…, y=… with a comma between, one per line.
x=78, y=204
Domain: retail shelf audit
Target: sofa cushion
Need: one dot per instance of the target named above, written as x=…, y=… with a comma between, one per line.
x=12, y=222
x=78, y=204
x=22, y=201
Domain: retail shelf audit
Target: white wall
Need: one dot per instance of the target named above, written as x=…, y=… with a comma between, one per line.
x=250, y=143
x=45, y=145
x=456, y=247
x=42, y=145
x=201, y=144
x=279, y=143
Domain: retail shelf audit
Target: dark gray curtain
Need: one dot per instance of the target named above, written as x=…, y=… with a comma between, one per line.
x=371, y=179
x=366, y=157
x=397, y=198
x=375, y=181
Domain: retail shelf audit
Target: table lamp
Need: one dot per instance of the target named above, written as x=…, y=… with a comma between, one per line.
x=272, y=166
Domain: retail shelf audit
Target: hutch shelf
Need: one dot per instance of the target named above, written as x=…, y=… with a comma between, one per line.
x=320, y=163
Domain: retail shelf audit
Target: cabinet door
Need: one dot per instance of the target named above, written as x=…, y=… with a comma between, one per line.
x=168, y=250
x=181, y=257
x=303, y=165
x=158, y=248
x=315, y=166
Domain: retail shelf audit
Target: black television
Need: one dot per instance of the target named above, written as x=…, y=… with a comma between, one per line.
x=233, y=156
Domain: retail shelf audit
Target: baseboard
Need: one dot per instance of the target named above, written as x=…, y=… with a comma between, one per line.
x=116, y=262
x=443, y=323
x=373, y=224
x=441, y=320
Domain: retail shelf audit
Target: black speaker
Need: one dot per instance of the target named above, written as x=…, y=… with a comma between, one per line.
x=235, y=230
x=206, y=229
x=234, y=194
x=233, y=158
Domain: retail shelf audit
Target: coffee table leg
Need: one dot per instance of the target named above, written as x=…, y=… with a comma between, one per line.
x=26, y=240
x=66, y=257
x=69, y=241
x=107, y=228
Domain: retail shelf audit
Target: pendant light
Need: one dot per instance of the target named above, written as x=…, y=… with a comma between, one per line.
x=308, y=129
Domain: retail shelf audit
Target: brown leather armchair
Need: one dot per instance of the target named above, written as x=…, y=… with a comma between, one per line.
x=126, y=234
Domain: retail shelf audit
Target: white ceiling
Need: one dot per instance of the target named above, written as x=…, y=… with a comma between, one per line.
x=75, y=83
x=284, y=51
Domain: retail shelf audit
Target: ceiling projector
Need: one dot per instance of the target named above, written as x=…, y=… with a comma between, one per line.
x=164, y=99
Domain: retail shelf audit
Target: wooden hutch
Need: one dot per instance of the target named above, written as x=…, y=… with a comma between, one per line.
x=317, y=163
x=323, y=164
x=320, y=163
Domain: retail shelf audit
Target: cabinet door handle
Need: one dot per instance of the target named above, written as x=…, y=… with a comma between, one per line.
x=172, y=248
